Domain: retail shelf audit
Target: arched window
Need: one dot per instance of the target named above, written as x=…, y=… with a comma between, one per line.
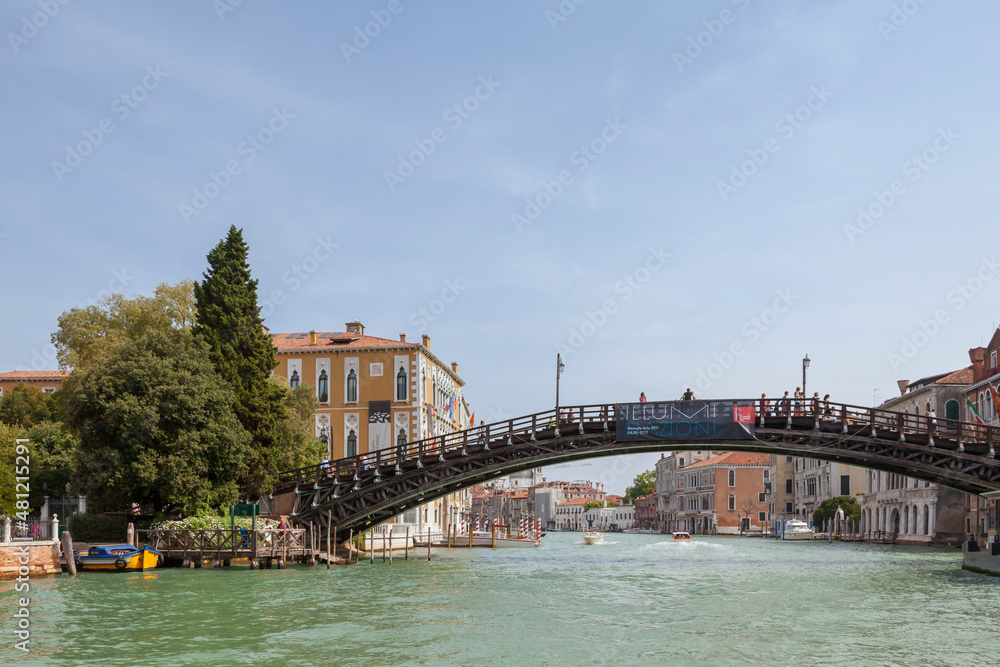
x=323, y=387
x=951, y=409
x=906, y=519
x=294, y=381
x=352, y=387
x=927, y=520
x=401, y=385
x=732, y=477
x=401, y=439
x=352, y=443
x=732, y=501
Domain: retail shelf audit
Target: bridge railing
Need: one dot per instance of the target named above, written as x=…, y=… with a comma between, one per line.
x=801, y=413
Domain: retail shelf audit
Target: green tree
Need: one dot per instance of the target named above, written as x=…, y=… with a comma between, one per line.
x=156, y=427
x=297, y=446
x=85, y=332
x=53, y=459
x=643, y=484
x=25, y=406
x=8, y=474
x=828, y=509
x=592, y=504
x=229, y=322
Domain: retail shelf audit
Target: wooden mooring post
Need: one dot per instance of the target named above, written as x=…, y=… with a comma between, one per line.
x=329, y=521
x=371, y=548
x=390, y=546
x=428, y=542
x=350, y=547
x=406, y=544
x=67, y=547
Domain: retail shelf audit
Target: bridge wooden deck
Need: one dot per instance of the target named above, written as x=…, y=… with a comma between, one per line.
x=370, y=488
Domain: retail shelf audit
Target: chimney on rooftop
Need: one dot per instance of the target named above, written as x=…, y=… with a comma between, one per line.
x=454, y=367
x=977, y=356
x=402, y=338
x=426, y=341
x=902, y=386
x=312, y=336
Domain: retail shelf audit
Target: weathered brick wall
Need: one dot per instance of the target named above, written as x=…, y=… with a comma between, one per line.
x=42, y=558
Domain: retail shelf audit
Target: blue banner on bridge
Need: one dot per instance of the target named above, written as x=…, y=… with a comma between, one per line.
x=686, y=420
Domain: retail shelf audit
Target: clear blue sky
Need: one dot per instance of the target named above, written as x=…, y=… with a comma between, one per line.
x=628, y=126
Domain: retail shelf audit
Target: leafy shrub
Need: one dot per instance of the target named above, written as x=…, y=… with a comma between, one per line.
x=103, y=528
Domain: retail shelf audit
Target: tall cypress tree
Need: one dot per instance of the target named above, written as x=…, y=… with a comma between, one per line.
x=229, y=321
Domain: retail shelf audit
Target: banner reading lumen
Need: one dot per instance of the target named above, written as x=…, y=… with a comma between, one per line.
x=686, y=420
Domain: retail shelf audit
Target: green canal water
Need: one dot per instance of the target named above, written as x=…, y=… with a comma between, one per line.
x=639, y=599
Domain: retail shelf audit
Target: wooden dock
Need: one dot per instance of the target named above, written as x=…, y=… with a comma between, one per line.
x=261, y=547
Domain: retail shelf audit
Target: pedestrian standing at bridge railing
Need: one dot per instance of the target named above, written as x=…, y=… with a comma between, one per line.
x=763, y=405
x=932, y=420
x=785, y=404
x=482, y=432
x=688, y=395
x=827, y=411
x=642, y=397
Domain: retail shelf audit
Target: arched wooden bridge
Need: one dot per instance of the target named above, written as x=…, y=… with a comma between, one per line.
x=365, y=490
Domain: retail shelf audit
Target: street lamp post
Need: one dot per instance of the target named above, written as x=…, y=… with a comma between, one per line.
x=805, y=365
x=559, y=369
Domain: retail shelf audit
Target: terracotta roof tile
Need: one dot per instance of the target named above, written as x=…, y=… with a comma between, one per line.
x=34, y=375
x=333, y=341
x=578, y=501
x=733, y=459
x=963, y=376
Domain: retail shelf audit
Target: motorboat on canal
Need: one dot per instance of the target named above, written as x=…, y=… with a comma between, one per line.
x=116, y=558
x=681, y=535
x=593, y=537
x=484, y=538
x=797, y=530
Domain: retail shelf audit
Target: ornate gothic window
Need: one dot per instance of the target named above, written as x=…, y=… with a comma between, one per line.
x=401, y=385
x=294, y=381
x=352, y=443
x=323, y=387
x=352, y=387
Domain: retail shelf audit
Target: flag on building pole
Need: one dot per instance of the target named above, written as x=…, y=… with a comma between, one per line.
x=996, y=399
x=472, y=421
x=975, y=413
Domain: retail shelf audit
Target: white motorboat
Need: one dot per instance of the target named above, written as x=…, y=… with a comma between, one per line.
x=593, y=537
x=797, y=530
x=681, y=535
x=482, y=538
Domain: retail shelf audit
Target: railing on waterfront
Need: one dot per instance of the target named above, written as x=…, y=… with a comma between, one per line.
x=34, y=528
x=806, y=414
